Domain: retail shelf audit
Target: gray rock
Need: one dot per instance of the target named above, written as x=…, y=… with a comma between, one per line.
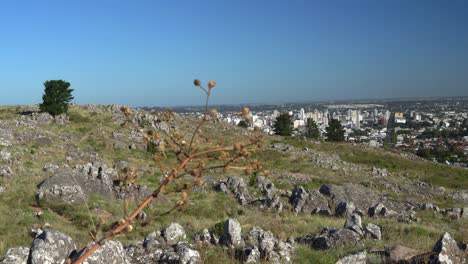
x=461, y=196
x=263, y=239
x=250, y=255
x=307, y=201
x=50, y=168
x=173, y=234
x=447, y=251
x=6, y=172
x=232, y=234
x=17, y=255
x=361, y=196
x=5, y=155
x=266, y=186
x=354, y=223
x=373, y=231
x=236, y=186
x=281, y=146
x=112, y=252
x=357, y=258
x=400, y=253
x=187, y=254
x=345, y=208
x=330, y=238
x=51, y=247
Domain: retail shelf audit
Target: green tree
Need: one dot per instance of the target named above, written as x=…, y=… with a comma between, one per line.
x=312, y=130
x=243, y=124
x=283, y=125
x=334, y=131
x=57, y=96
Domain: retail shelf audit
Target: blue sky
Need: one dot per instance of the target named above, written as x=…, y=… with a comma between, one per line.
x=146, y=53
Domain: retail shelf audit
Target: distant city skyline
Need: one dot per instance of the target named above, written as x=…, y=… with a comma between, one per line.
x=147, y=53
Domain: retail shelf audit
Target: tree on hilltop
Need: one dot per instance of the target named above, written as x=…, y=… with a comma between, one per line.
x=335, y=131
x=312, y=130
x=57, y=96
x=283, y=125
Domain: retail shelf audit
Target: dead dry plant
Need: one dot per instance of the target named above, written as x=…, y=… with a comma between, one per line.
x=191, y=156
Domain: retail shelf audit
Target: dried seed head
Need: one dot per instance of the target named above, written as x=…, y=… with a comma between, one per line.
x=214, y=112
x=237, y=147
x=198, y=181
x=121, y=221
x=197, y=82
x=157, y=136
x=211, y=84
x=245, y=111
x=161, y=148
x=129, y=228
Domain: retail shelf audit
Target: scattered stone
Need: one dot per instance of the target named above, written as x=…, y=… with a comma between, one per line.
x=357, y=258
x=373, y=231
x=173, y=234
x=50, y=168
x=5, y=156
x=281, y=146
x=6, y=172
x=461, y=196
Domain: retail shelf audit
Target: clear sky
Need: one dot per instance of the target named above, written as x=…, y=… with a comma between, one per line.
x=145, y=53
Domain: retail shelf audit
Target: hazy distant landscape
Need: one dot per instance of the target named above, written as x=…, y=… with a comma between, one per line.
x=267, y=131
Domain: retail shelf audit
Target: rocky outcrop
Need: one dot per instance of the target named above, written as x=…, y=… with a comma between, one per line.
x=361, y=196
x=308, y=201
x=235, y=185
x=74, y=185
x=351, y=234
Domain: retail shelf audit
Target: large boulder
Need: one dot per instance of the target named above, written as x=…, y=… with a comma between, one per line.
x=308, y=201
x=112, y=252
x=17, y=255
x=74, y=185
x=447, y=251
x=51, y=247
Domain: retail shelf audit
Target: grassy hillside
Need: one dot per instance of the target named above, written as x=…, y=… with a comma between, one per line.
x=90, y=134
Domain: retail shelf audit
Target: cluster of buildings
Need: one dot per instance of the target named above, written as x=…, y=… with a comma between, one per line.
x=409, y=125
